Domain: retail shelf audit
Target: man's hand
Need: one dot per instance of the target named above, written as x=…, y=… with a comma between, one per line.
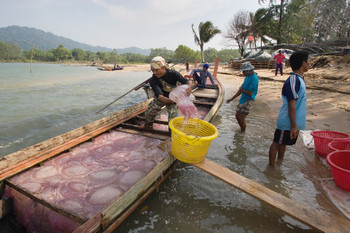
x=294, y=132
x=189, y=89
x=229, y=100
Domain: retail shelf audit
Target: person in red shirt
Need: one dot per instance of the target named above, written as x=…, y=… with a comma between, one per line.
x=279, y=62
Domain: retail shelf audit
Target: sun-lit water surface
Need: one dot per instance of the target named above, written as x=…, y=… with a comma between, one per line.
x=54, y=99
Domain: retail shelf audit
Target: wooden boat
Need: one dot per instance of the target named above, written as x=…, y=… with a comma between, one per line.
x=126, y=121
x=110, y=69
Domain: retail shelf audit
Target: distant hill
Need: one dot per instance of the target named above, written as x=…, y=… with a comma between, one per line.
x=135, y=50
x=27, y=37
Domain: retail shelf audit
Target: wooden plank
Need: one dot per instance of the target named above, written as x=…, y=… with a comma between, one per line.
x=136, y=127
x=144, y=133
x=203, y=103
x=304, y=214
x=206, y=93
x=35, y=197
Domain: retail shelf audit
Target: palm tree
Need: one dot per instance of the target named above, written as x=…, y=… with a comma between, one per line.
x=281, y=9
x=260, y=25
x=206, y=32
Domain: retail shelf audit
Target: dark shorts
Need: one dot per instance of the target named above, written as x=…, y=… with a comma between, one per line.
x=282, y=137
x=245, y=107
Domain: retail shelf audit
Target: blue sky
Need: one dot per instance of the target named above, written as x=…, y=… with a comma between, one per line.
x=125, y=23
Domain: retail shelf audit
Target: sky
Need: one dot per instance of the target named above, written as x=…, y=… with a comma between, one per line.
x=126, y=23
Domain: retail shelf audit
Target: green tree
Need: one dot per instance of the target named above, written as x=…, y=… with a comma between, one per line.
x=133, y=58
x=10, y=52
x=39, y=55
x=183, y=51
x=211, y=54
x=92, y=57
x=168, y=55
x=260, y=27
x=226, y=55
x=279, y=12
x=298, y=23
x=206, y=31
x=61, y=53
x=79, y=54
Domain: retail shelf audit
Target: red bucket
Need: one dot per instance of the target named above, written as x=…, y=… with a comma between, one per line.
x=322, y=138
x=339, y=145
x=340, y=164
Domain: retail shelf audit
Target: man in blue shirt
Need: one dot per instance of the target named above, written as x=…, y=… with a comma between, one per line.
x=292, y=115
x=248, y=91
x=201, y=79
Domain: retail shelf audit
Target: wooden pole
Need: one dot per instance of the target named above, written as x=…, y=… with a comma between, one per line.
x=303, y=214
x=216, y=67
x=31, y=58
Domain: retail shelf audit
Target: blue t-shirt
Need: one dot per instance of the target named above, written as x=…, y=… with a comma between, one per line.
x=250, y=83
x=203, y=75
x=293, y=89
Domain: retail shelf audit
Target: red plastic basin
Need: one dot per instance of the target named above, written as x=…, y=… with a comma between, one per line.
x=339, y=145
x=340, y=164
x=322, y=138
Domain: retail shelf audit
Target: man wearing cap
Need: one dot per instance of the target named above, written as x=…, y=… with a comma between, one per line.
x=248, y=91
x=162, y=82
x=201, y=79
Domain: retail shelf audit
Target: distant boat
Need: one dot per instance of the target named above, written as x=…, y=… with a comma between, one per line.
x=110, y=69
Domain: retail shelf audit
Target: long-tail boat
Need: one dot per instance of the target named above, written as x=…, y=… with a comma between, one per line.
x=91, y=178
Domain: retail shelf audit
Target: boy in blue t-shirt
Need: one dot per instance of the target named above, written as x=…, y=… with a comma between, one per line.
x=292, y=115
x=248, y=91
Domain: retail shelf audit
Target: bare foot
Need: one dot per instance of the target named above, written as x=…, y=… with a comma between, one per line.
x=143, y=127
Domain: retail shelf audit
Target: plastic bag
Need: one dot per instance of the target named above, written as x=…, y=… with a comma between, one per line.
x=184, y=102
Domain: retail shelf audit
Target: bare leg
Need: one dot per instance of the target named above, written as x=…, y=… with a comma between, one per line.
x=241, y=121
x=272, y=153
x=281, y=150
x=274, y=149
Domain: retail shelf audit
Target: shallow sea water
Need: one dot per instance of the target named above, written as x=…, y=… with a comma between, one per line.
x=54, y=99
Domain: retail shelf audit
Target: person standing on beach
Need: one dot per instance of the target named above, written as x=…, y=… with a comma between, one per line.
x=163, y=81
x=248, y=91
x=292, y=115
x=201, y=79
x=279, y=58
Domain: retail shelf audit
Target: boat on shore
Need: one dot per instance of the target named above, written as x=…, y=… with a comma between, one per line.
x=92, y=178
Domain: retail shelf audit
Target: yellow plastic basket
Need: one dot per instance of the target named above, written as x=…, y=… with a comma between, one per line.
x=190, y=140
